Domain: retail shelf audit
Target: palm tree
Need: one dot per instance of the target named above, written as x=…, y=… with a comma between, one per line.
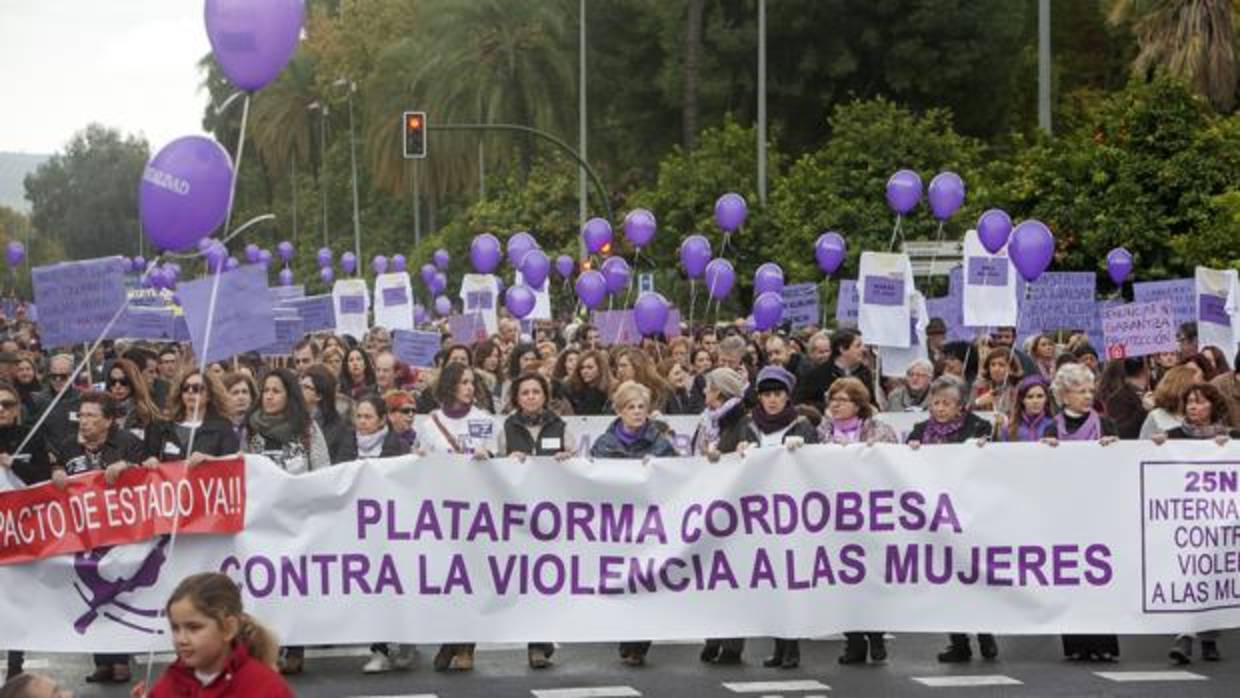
x=1190, y=39
x=281, y=127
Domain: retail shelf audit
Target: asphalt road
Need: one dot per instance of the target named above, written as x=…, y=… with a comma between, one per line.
x=1027, y=666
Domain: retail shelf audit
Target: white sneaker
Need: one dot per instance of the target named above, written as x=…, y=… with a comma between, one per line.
x=378, y=664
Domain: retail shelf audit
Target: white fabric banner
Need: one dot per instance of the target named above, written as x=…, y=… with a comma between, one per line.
x=989, y=286
x=894, y=361
x=394, y=301
x=480, y=294
x=1218, y=293
x=885, y=284
x=351, y=298
x=1129, y=538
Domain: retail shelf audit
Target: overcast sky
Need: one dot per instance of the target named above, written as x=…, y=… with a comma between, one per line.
x=129, y=64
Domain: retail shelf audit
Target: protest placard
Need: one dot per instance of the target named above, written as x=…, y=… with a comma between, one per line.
x=619, y=327
x=241, y=319
x=1138, y=329
x=393, y=301
x=800, y=304
x=1058, y=300
x=317, y=312
x=847, y=304
x=78, y=299
x=469, y=328
x=151, y=323
x=352, y=306
x=416, y=348
x=288, y=330
x=1180, y=294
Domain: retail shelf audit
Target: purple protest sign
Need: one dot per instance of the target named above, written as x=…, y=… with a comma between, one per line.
x=847, y=304
x=1212, y=309
x=395, y=295
x=317, y=312
x=353, y=304
x=416, y=348
x=881, y=290
x=78, y=299
x=288, y=330
x=1180, y=294
x=800, y=304
x=242, y=320
x=1138, y=329
x=467, y=329
x=619, y=327
x=986, y=271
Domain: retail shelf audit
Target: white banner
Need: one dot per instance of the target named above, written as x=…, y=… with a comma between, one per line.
x=989, y=285
x=394, y=301
x=1130, y=538
x=351, y=298
x=885, y=282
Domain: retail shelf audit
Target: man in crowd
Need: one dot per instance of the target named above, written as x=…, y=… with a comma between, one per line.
x=385, y=372
x=169, y=363
x=305, y=354
x=61, y=423
x=848, y=362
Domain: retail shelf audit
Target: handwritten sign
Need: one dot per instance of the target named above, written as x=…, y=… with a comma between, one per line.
x=800, y=304
x=1138, y=329
x=78, y=299
x=1062, y=300
x=242, y=320
x=1180, y=294
x=416, y=348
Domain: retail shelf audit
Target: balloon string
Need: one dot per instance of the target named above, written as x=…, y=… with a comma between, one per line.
x=826, y=294
x=692, y=300
x=894, y=232
x=232, y=189
x=934, y=254
x=629, y=293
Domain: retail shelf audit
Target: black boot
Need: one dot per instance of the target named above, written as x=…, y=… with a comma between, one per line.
x=777, y=658
x=711, y=651
x=987, y=646
x=16, y=660
x=1209, y=651
x=957, y=651
x=878, y=647
x=854, y=649
x=792, y=654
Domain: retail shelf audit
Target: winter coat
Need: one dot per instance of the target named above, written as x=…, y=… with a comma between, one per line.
x=651, y=441
x=243, y=677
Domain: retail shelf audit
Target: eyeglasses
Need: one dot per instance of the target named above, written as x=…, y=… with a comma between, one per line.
x=118, y=381
x=192, y=388
x=840, y=399
x=58, y=376
x=408, y=411
x=8, y=404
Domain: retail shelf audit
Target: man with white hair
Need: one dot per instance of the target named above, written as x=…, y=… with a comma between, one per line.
x=61, y=422
x=915, y=392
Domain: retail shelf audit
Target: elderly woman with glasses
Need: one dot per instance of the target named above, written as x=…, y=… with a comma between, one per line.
x=912, y=396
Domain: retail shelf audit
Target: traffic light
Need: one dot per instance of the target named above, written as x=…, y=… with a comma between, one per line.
x=415, y=134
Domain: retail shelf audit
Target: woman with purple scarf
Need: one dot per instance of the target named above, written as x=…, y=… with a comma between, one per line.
x=850, y=420
x=1074, y=389
x=1032, y=417
x=950, y=424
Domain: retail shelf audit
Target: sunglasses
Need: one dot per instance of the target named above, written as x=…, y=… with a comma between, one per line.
x=192, y=388
x=118, y=381
x=58, y=376
x=410, y=411
x=8, y=404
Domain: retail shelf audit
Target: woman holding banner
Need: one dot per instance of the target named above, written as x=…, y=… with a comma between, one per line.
x=1078, y=421
x=774, y=422
x=198, y=407
x=850, y=420
x=633, y=435
x=1032, y=416
x=458, y=425
x=950, y=424
x=281, y=427
x=142, y=417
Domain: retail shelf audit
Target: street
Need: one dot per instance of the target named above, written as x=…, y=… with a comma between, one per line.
x=1027, y=666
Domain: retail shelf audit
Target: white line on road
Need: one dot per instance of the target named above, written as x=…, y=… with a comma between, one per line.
x=1126, y=676
x=966, y=681
x=775, y=686
x=587, y=692
x=418, y=695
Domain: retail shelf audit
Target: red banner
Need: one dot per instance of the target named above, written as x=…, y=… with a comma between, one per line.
x=45, y=521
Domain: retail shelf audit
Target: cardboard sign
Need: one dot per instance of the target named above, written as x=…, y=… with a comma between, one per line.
x=416, y=348
x=1180, y=295
x=317, y=312
x=242, y=319
x=78, y=299
x=468, y=329
x=1138, y=329
x=800, y=304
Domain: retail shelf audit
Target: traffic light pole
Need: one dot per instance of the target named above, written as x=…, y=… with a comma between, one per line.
x=565, y=147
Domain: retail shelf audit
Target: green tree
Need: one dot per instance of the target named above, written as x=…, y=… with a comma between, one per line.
x=86, y=197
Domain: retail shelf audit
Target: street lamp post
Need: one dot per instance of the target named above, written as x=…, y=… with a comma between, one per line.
x=322, y=110
x=762, y=102
x=1044, y=65
x=357, y=226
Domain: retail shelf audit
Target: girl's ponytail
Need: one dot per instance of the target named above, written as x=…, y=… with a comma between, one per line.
x=259, y=640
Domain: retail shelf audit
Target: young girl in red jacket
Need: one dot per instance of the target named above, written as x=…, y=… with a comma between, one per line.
x=221, y=651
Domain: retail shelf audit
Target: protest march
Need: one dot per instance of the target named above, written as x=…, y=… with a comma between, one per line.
x=546, y=446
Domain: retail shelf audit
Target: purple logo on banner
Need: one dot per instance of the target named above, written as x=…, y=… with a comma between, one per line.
x=353, y=304
x=847, y=304
x=881, y=290
x=395, y=295
x=985, y=271
x=243, y=319
x=1213, y=309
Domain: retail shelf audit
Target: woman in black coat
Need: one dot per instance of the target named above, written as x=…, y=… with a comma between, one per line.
x=950, y=424
x=318, y=388
x=198, y=407
x=371, y=436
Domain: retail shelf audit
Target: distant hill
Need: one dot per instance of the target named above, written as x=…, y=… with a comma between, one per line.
x=13, y=169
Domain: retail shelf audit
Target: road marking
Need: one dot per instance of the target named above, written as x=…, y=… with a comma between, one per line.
x=587, y=692
x=415, y=695
x=966, y=681
x=1127, y=676
x=775, y=686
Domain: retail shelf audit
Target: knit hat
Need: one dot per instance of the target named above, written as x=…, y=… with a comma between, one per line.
x=775, y=378
x=729, y=382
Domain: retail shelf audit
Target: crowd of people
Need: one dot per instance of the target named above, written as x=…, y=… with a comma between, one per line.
x=336, y=399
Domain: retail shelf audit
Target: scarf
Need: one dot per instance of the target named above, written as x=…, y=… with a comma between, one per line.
x=1032, y=428
x=530, y=421
x=846, y=431
x=456, y=411
x=711, y=418
x=1204, y=431
x=371, y=444
x=770, y=423
x=1090, y=430
x=274, y=428
x=626, y=437
x=937, y=432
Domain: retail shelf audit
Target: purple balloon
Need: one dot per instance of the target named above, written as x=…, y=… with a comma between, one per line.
x=441, y=259
x=264, y=258
x=617, y=273
x=1119, y=265
x=519, y=300
x=286, y=277
x=379, y=264
x=993, y=229
x=768, y=310
x=596, y=233
x=639, y=227
x=326, y=275
x=719, y=278
x=1031, y=249
x=695, y=255
x=252, y=40
x=252, y=253
x=564, y=266
x=535, y=267
x=650, y=313
x=903, y=191
x=15, y=253
x=184, y=192
x=285, y=250
x=427, y=272
x=518, y=245
x=443, y=306
x=217, y=256
x=591, y=288
x=348, y=262
x=399, y=263
x=419, y=314
x=484, y=253
x=204, y=244
x=438, y=284
x=173, y=270
x=139, y=263
x=946, y=194
x=829, y=252
x=325, y=257
x=231, y=264
x=768, y=278
x=730, y=211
